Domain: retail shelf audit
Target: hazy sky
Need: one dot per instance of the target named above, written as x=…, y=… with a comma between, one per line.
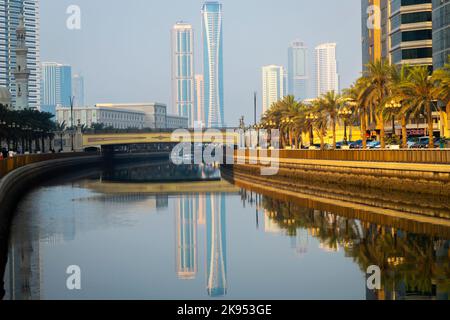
x=123, y=47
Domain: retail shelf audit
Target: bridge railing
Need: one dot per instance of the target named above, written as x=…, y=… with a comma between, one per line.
x=9, y=164
x=436, y=156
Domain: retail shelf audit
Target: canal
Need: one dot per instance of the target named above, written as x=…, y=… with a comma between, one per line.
x=157, y=231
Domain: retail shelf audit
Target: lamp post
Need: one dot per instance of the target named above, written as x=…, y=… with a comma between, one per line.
x=72, y=99
x=345, y=114
x=394, y=107
x=288, y=122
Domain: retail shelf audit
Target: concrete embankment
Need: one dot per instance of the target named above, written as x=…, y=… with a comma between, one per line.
x=410, y=196
x=419, y=178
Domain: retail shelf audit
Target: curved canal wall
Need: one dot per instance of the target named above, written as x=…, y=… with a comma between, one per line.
x=23, y=173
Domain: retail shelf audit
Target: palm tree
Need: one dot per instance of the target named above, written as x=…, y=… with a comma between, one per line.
x=378, y=78
x=355, y=97
x=442, y=79
x=421, y=92
x=321, y=126
x=399, y=76
x=329, y=103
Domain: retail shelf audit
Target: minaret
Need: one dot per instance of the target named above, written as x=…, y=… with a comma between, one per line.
x=21, y=74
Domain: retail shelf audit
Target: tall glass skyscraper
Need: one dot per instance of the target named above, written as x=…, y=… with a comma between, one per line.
x=213, y=64
x=10, y=11
x=441, y=32
x=183, y=96
x=298, y=70
x=78, y=90
x=56, y=86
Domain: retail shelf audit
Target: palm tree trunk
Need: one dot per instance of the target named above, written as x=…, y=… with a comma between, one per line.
x=334, y=132
x=382, y=132
x=430, y=127
x=404, y=132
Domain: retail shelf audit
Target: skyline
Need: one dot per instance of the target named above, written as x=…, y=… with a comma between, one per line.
x=246, y=47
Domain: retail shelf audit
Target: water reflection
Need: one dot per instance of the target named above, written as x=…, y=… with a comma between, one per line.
x=414, y=266
x=216, y=261
x=225, y=240
x=213, y=207
x=160, y=172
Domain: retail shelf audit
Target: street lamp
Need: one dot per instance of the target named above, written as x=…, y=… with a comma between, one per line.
x=345, y=113
x=394, y=107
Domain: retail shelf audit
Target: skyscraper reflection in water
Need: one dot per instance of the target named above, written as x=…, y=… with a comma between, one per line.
x=186, y=217
x=216, y=246
x=190, y=212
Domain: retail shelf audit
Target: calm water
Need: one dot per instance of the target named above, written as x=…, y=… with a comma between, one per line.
x=136, y=237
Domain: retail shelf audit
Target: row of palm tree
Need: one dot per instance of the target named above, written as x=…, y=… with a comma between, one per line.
x=25, y=126
x=382, y=93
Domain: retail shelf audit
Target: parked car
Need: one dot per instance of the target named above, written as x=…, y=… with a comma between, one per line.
x=374, y=145
x=356, y=144
x=423, y=143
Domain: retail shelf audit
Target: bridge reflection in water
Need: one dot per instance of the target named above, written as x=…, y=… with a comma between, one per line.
x=414, y=259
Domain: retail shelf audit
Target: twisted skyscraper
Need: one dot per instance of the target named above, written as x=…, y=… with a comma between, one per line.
x=213, y=63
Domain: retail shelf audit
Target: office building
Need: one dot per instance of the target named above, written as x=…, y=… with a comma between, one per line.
x=56, y=86
x=110, y=117
x=156, y=116
x=213, y=64
x=441, y=32
x=399, y=31
x=326, y=69
x=10, y=15
x=273, y=85
x=78, y=90
x=298, y=70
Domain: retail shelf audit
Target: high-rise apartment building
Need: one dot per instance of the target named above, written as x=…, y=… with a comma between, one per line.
x=10, y=13
x=399, y=31
x=183, y=71
x=298, y=70
x=273, y=85
x=213, y=64
x=56, y=86
x=441, y=32
x=78, y=90
x=326, y=71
